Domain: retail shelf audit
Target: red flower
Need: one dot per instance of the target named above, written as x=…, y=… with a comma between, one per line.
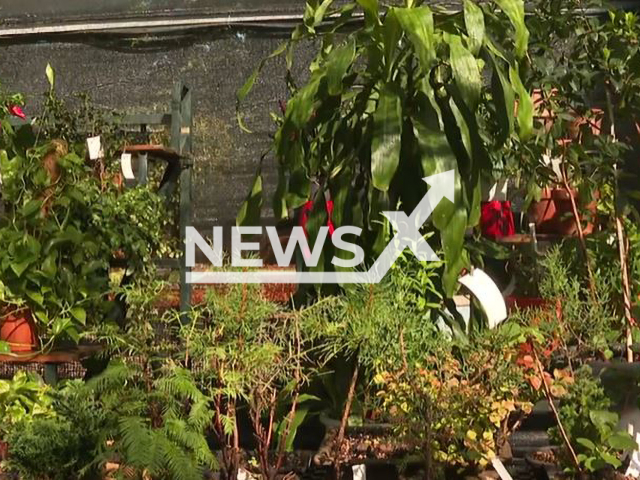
x=16, y=111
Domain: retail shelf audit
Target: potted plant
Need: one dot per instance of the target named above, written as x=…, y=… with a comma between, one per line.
x=60, y=227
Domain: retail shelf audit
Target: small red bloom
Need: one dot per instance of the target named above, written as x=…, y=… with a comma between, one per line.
x=16, y=111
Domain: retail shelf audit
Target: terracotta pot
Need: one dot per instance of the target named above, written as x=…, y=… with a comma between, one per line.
x=553, y=213
x=543, y=212
x=18, y=329
x=4, y=450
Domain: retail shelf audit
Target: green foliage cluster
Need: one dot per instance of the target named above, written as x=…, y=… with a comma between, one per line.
x=397, y=99
x=591, y=426
x=63, y=222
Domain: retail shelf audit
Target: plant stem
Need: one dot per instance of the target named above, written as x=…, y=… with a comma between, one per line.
x=549, y=397
x=622, y=244
x=345, y=418
x=583, y=243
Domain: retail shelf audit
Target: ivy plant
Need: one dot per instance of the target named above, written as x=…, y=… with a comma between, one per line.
x=409, y=92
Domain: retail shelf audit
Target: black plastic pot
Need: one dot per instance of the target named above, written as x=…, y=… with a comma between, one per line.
x=542, y=470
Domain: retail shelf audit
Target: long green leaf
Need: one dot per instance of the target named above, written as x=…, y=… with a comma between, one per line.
x=249, y=214
x=436, y=155
x=504, y=98
x=417, y=24
x=466, y=72
x=474, y=22
x=371, y=10
x=514, y=10
x=386, y=142
x=525, y=105
x=338, y=64
x=453, y=245
x=251, y=81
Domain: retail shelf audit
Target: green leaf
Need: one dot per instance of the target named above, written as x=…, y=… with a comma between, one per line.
x=466, y=72
x=474, y=21
x=249, y=214
x=51, y=75
x=454, y=254
x=279, y=198
x=611, y=459
x=35, y=296
x=585, y=442
x=436, y=155
x=514, y=10
x=622, y=441
x=525, y=105
x=338, y=64
x=504, y=98
x=370, y=8
x=387, y=135
x=417, y=24
x=604, y=420
x=60, y=325
x=249, y=84
x=79, y=314
x=31, y=208
x=5, y=347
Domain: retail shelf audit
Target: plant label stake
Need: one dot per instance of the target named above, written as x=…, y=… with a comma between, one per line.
x=500, y=469
x=359, y=472
x=127, y=170
x=94, y=145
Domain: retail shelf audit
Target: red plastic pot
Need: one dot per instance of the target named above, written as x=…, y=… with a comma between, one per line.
x=496, y=219
x=18, y=329
x=524, y=303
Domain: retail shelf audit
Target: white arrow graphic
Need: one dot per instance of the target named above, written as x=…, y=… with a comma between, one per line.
x=407, y=235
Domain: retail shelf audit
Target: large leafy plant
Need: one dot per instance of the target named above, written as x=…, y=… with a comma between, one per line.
x=63, y=221
x=404, y=95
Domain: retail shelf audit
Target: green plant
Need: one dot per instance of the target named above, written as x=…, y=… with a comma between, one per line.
x=157, y=415
x=457, y=401
x=22, y=399
x=590, y=425
x=61, y=226
x=61, y=445
x=253, y=354
x=396, y=99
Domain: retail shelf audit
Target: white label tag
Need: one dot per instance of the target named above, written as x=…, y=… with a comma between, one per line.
x=499, y=467
x=359, y=472
x=127, y=169
x=499, y=191
x=95, y=148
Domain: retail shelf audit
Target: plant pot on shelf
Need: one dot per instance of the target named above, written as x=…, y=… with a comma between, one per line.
x=553, y=213
x=544, y=464
x=18, y=329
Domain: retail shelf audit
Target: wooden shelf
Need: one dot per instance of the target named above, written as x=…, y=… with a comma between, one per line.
x=525, y=238
x=56, y=357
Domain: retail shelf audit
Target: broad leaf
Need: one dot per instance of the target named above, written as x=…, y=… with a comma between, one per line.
x=370, y=8
x=417, y=24
x=474, y=22
x=386, y=142
x=525, y=105
x=504, y=98
x=338, y=64
x=622, y=441
x=514, y=9
x=466, y=72
x=249, y=214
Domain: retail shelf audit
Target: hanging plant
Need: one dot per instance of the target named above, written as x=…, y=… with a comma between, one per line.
x=409, y=93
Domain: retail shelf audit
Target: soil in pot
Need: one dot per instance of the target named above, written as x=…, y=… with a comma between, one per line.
x=18, y=329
